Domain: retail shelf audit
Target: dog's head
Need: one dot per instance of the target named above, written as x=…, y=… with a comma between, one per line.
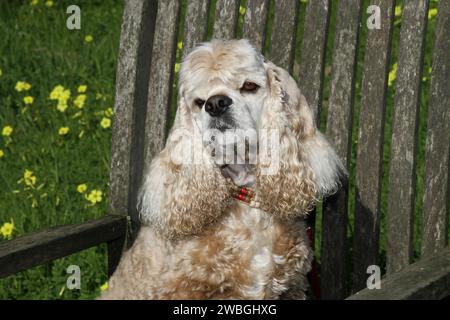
x=229, y=96
x=224, y=85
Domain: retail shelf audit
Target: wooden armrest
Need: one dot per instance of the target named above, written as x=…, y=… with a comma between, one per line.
x=43, y=246
x=427, y=279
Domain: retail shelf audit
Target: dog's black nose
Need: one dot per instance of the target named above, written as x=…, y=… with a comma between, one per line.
x=217, y=105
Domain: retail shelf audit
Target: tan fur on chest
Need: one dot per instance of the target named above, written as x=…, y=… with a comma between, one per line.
x=248, y=254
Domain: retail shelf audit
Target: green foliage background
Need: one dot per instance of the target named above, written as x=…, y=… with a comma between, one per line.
x=36, y=47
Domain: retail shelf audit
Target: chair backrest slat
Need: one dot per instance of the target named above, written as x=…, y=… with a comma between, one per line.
x=133, y=71
x=226, y=17
x=370, y=144
x=402, y=178
x=284, y=29
x=255, y=21
x=161, y=77
x=436, y=200
x=339, y=128
x=196, y=24
x=312, y=63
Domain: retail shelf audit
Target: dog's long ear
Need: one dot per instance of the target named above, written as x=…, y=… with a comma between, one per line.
x=301, y=166
x=183, y=191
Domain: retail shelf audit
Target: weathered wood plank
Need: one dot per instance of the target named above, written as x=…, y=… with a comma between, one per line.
x=196, y=24
x=312, y=63
x=436, y=198
x=160, y=84
x=133, y=71
x=284, y=29
x=41, y=247
x=161, y=77
x=402, y=178
x=370, y=145
x=339, y=128
x=226, y=17
x=255, y=22
x=427, y=279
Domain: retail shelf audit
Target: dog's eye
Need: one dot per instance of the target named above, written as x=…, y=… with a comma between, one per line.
x=249, y=87
x=199, y=102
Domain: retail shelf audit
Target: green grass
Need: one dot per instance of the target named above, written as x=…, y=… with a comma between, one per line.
x=37, y=47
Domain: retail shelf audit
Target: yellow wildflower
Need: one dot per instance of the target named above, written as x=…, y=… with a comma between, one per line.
x=82, y=88
x=62, y=105
x=392, y=74
x=105, y=123
x=81, y=188
x=56, y=92
x=65, y=95
x=63, y=131
x=398, y=11
x=1, y=72
x=80, y=100
x=241, y=10
x=2, y=153
x=28, y=100
x=109, y=112
x=94, y=196
x=177, y=67
x=432, y=13
x=29, y=178
x=104, y=287
x=22, y=86
x=7, y=130
x=89, y=38
x=62, y=95
x=180, y=45
x=7, y=229
x=34, y=2
x=49, y=3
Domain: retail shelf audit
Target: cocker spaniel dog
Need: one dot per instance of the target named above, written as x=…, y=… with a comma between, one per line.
x=220, y=205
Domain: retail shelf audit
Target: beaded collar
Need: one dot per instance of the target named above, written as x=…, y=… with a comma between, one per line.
x=246, y=195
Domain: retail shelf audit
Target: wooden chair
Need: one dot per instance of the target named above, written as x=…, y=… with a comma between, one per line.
x=144, y=96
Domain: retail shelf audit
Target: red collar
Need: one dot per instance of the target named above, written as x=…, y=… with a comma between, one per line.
x=245, y=195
